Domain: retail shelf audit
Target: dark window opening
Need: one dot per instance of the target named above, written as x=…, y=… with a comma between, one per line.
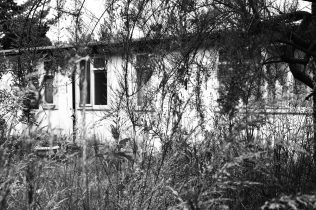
x=100, y=82
x=48, y=82
x=84, y=76
x=49, y=89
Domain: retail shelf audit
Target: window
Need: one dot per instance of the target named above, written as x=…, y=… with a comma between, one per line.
x=276, y=79
x=48, y=83
x=49, y=89
x=144, y=71
x=100, y=81
x=100, y=85
x=240, y=79
x=84, y=77
x=94, y=73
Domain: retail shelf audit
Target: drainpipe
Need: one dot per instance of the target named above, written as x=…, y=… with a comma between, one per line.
x=74, y=109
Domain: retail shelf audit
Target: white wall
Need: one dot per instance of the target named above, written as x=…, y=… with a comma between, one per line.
x=56, y=118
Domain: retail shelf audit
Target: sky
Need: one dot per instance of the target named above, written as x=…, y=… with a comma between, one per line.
x=92, y=11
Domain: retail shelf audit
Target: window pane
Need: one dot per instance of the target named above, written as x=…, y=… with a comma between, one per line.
x=84, y=74
x=100, y=87
x=99, y=62
x=49, y=90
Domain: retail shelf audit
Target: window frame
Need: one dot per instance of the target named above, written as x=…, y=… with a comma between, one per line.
x=79, y=79
x=92, y=72
x=46, y=78
x=48, y=73
x=92, y=105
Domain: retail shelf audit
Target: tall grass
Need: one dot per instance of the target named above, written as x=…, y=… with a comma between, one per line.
x=215, y=173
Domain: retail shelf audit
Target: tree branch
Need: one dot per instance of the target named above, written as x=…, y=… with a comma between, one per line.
x=307, y=51
x=292, y=60
x=289, y=17
x=301, y=76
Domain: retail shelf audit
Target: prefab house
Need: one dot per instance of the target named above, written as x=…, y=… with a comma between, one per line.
x=101, y=90
x=91, y=87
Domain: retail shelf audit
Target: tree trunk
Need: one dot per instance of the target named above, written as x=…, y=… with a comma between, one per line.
x=314, y=120
x=314, y=88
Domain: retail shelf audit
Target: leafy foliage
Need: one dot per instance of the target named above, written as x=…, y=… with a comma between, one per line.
x=25, y=25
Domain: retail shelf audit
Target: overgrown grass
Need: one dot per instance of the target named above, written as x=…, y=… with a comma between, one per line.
x=212, y=174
